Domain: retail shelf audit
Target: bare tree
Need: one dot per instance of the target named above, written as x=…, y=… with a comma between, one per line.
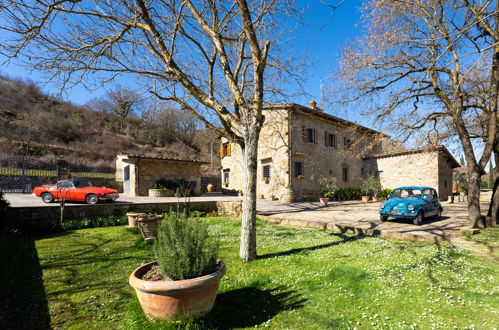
x=430, y=67
x=123, y=102
x=210, y=57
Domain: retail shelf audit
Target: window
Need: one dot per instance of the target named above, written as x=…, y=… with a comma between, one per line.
x=428, y=194
x=330, y=140
x=298, y=169
x=345, y=174
x=434, y=193
x=266, y=172
x=226, y=177
x=225, y=150
x=309, y=135
x=347, y=143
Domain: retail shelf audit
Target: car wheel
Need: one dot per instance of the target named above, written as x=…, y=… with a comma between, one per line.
x=382, y=218
x=438, y=215
x=418, y=219
x=92, y=199
x=47, y=197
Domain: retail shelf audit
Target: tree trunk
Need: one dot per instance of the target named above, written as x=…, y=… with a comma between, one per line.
x=494, y=202
x=474, y=198
x=247, y=250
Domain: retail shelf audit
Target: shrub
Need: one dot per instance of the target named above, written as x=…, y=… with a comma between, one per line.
x=328, y=186
x=165, y=184
x=4, y=211
x=184, y=248
x=371, y=184
x=385, y=192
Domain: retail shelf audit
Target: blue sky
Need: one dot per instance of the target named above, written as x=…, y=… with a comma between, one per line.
x=323, y=45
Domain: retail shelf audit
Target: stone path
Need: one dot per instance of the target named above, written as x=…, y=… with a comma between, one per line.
x=362, y=218
x=474, y=247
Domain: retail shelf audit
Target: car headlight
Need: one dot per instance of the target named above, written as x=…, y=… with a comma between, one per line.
x=410, y=207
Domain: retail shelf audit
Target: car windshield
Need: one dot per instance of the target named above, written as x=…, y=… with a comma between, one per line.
x=406, y=193
x=81, y=183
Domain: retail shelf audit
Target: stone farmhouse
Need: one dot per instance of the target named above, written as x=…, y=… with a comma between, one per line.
x=298, y=145
x=139, y=173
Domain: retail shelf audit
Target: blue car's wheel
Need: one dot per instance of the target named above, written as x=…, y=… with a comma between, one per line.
x=438, y=215
x=418, y=220
x=383, y=218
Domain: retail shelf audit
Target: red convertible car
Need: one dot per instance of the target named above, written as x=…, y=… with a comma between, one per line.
x=76, y=190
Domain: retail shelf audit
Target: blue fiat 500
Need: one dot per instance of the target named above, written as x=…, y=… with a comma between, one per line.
x=415, y=203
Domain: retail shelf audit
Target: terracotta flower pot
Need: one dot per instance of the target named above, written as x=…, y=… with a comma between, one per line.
x=375, y=199
x=174, y=300
x=149, y=227
x=365, y=199
x=132, y=219
x=210, y=188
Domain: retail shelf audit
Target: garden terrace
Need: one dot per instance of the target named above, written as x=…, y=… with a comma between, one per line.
x=302, y=278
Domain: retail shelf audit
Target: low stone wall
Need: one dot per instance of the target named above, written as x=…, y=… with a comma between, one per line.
x=46, y=217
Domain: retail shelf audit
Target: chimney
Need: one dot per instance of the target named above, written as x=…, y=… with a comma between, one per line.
x=313, y=106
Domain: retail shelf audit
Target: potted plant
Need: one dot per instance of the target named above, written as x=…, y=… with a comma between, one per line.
x=371, y=185
x=184, y=279
x=325, y=196
x=132, y=218
x=163, y=188
x=328, y=186
x=385, y=193
x=148, y=224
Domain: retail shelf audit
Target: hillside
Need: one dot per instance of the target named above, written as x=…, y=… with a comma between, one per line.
x=33, y=123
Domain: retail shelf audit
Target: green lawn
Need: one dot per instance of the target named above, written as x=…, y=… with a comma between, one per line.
x=303, y=279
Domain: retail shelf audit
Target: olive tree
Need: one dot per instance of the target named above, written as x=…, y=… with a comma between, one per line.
x=431, y=66
x=212, y=58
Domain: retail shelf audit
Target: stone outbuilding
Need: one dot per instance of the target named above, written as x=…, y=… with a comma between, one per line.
x=140, y=173
x=432, y=167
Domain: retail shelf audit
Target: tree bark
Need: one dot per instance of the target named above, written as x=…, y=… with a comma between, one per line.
x=494, y=202
x=247, y=250
x=474, y=214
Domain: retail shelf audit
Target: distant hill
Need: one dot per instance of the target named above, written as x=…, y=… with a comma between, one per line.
x=33, y=123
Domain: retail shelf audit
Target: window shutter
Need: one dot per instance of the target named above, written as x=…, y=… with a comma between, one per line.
x=325, y=139
x=304, y=134
x=221, y=151
x=315, y=136
x=228, y=149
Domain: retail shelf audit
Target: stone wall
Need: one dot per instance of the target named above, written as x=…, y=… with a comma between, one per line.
x=321, y=160
x=42, y=217
x=281, y=144
x=272, y=151
x=418, y=169
x=149, y=171
x=445, y=172
x=145, y=172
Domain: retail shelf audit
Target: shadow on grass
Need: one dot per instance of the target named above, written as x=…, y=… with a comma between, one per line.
x=241, y=308
x=23, y=302
x=250, y=306
x=345, y=238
